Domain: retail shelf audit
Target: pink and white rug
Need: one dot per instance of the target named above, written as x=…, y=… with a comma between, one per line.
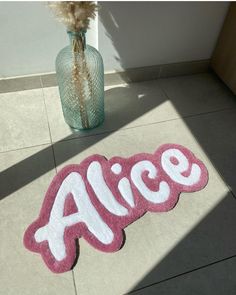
x=98, y=198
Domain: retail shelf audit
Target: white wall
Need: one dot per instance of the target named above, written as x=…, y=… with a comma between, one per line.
x=30, y=38
x=130, y=34
x=153, y=33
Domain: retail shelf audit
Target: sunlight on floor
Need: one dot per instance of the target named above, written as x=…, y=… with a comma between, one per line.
x=193, y=111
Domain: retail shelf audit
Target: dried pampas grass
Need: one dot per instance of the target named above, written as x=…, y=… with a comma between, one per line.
x=74, y=14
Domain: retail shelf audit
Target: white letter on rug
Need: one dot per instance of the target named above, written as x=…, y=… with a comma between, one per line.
x=136, y=175
x=175, y=170
x=123, y=185
x=104, y=194
x=53, y=232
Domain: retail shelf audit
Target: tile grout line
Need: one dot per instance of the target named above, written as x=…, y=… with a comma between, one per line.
x=229, y=188
x=138, y=126
x=217, y=170
x=73, y=276
x=55, y=165
x=122, y=129
x=182, y=274
x=148, y=124
x=45, y=107
x=113, y=130
x=26, y=147
x=230, y=191
x=49, y=129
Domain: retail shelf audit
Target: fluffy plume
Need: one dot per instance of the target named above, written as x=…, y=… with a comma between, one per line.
x=74, y=14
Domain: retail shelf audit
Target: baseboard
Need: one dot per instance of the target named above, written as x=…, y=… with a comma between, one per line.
x=114, y=78
x=156, y=72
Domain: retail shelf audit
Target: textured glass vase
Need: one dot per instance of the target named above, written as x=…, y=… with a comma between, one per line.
x=80, y=77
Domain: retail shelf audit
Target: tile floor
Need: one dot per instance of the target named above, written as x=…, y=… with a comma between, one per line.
x=189, y=250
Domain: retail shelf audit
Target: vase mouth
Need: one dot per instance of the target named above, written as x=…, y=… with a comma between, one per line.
x=76, y=33
x=77, y=39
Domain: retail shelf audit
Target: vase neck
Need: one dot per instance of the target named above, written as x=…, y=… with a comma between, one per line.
x=77, y=40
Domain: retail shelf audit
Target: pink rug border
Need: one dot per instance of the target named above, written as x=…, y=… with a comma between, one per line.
x=117, y=224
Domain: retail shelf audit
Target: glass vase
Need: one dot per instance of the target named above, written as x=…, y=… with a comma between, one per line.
x=80, y=77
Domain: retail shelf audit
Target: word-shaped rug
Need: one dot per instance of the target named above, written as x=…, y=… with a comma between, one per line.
x=98, y=198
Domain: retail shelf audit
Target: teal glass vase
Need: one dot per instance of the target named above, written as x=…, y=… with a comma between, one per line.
x=80, y=77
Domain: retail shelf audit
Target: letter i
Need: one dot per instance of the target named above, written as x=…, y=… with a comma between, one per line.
x=123, y=185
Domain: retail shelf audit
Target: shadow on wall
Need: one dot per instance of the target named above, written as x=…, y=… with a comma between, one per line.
x=219, y=147
x=217, y=231
x=155, y=33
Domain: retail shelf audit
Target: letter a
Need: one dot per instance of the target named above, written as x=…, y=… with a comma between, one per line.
x=53, y=232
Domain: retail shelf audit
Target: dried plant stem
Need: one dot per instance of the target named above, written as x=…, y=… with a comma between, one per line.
x=76, y=16
x=90, y=84
x=81, y=75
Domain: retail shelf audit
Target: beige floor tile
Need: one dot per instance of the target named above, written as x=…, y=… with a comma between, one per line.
x=143, y=103
x=23, y=120
x=216, y=279
x=125, y=106
x=216, y=133
x=198, y=231
x=200, y=93
x=21, y=271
